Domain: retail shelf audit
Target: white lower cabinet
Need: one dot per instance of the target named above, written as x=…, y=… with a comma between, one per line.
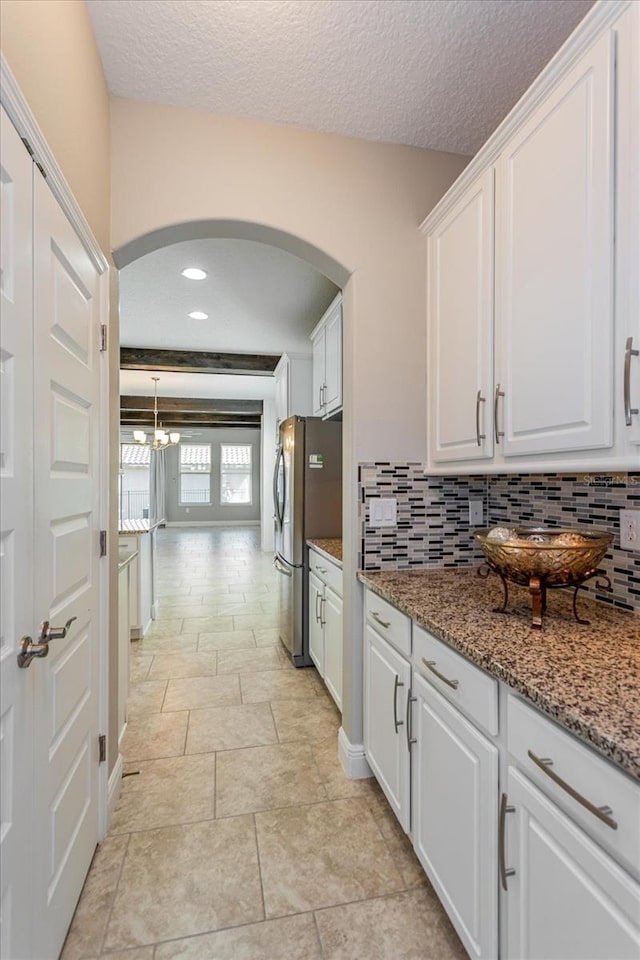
x=387, y=680
x=566, y=898
x=325, y=622
x=316, y=631
x=332, y=611
x=454, y=789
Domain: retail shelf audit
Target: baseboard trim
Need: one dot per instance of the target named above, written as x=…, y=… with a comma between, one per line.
x=352, y=757
x=113, y=787
x=212, y=523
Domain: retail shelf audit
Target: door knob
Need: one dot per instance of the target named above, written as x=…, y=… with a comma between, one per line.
x=30, y=650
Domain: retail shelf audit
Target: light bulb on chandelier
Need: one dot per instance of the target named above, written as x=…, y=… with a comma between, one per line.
x=160, y=438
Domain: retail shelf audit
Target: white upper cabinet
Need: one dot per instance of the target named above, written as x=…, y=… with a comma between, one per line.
x=461, y=327
x=534, y=289
x=554, y=268
x=293, y=388
x=326, y=340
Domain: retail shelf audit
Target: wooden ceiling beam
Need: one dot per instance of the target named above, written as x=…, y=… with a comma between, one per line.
x=167, y=405
x=196, y=361
x=145, y=419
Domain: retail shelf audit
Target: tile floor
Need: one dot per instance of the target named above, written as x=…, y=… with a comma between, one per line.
x=239, y=837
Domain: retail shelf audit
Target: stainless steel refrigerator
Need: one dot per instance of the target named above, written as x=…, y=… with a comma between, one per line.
x=307, y=494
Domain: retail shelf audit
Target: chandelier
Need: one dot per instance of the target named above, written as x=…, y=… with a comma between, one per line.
x=160, y=438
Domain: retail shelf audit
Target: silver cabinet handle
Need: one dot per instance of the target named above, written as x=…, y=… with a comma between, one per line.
x=382, y=623
x=320, y=397
x=431, y=665
x=324, y=394
x=321, y=569
x=602, y=813
x=505, y=871
x=323, y=600
x=629, y=411
x=317, y=614
x=496, y=400
x=479, y=436
x=396, y=723
x=409, y=718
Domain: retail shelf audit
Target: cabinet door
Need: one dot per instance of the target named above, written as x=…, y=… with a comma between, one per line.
x=282, y=391
x=316, y=631
x=554, y=268
x=333, y=361
x=567, y=898
x=318, y=375
x=387, y=679
x=461, y=328
x=332, y=616
x=454, y=813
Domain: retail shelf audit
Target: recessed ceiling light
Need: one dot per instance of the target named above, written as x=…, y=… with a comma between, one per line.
x=194, y=273
x=199, y=315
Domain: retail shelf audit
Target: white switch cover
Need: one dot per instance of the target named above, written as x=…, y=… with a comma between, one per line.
x=476, y=514
x=630, y=529
x=383, y=511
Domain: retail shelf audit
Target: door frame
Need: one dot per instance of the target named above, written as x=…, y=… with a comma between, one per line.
x=20, y=114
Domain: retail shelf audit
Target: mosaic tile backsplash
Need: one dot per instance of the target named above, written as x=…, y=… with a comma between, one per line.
x=433, y=517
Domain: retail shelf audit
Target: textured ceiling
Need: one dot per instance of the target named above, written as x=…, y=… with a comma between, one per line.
x=430, y=73
x=259, y=299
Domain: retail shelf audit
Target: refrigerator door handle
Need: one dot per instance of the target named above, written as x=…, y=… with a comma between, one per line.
x=280, y=568
x=279, y=517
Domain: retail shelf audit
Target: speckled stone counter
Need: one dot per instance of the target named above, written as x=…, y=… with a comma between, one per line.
x=330, y=548
x=585, y=677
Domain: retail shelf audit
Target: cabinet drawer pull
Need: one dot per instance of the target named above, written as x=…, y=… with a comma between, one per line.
x=602, y=813
x=396, y=723
x=479, y=436
x=321, y=569
x=431, y=665
x=496, y=400
x=317, y=614
x=629, y=411
x=382, y=623
x=323, y=600
x=505, y=871
x=409, y=719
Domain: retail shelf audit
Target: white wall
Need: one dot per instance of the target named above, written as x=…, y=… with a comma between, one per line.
x=352, y=208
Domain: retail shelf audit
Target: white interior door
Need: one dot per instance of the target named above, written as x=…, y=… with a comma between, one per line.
x=66, y=555
x=16, y=540
x=49, y=552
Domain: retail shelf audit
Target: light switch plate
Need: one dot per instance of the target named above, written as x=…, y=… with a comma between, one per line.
x=630, y=529
x=383, y=511
x=476, y=513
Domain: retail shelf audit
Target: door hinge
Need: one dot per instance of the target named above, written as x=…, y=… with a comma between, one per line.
x=103, y=337
x=29, y=150
x=103, y=543
x=102, y=748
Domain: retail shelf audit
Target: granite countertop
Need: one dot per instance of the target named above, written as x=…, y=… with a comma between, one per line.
x=331, y=548
x=585, y=677
x=139, y=526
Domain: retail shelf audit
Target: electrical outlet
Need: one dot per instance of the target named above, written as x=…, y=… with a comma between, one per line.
x=630, y=529
x=476, y=513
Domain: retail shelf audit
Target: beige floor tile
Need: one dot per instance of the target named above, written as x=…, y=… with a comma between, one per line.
x=401, y=849
x=267, y=636
x=90, y=919
x=304, y=720
x=241, y=588
x=191, y=693
x=172, y=666
x=163, y=628
x=408, y=926
x=249, y=661
x=261, y=778
x=173, y=643
x=239, y=607
x=138, y=667
x=230, y=728
x=234, y=640
x=176, y=790
x=180, y=881
x=140, y=953
x=337, y=784
x=276, y=685
x=321, y=855
x=290, y=938
x=190, y=609
x=260, y=621
x=146, y=697
x=155, y=735
x=211, y=624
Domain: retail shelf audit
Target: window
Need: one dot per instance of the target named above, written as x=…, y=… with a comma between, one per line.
x=195, y=473
x=134, y=481
x=235, y=473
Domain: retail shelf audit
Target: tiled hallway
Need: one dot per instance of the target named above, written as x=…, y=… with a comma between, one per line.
x=241, y=838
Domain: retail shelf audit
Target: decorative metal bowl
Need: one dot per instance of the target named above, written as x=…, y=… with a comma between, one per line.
x=545, y=553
